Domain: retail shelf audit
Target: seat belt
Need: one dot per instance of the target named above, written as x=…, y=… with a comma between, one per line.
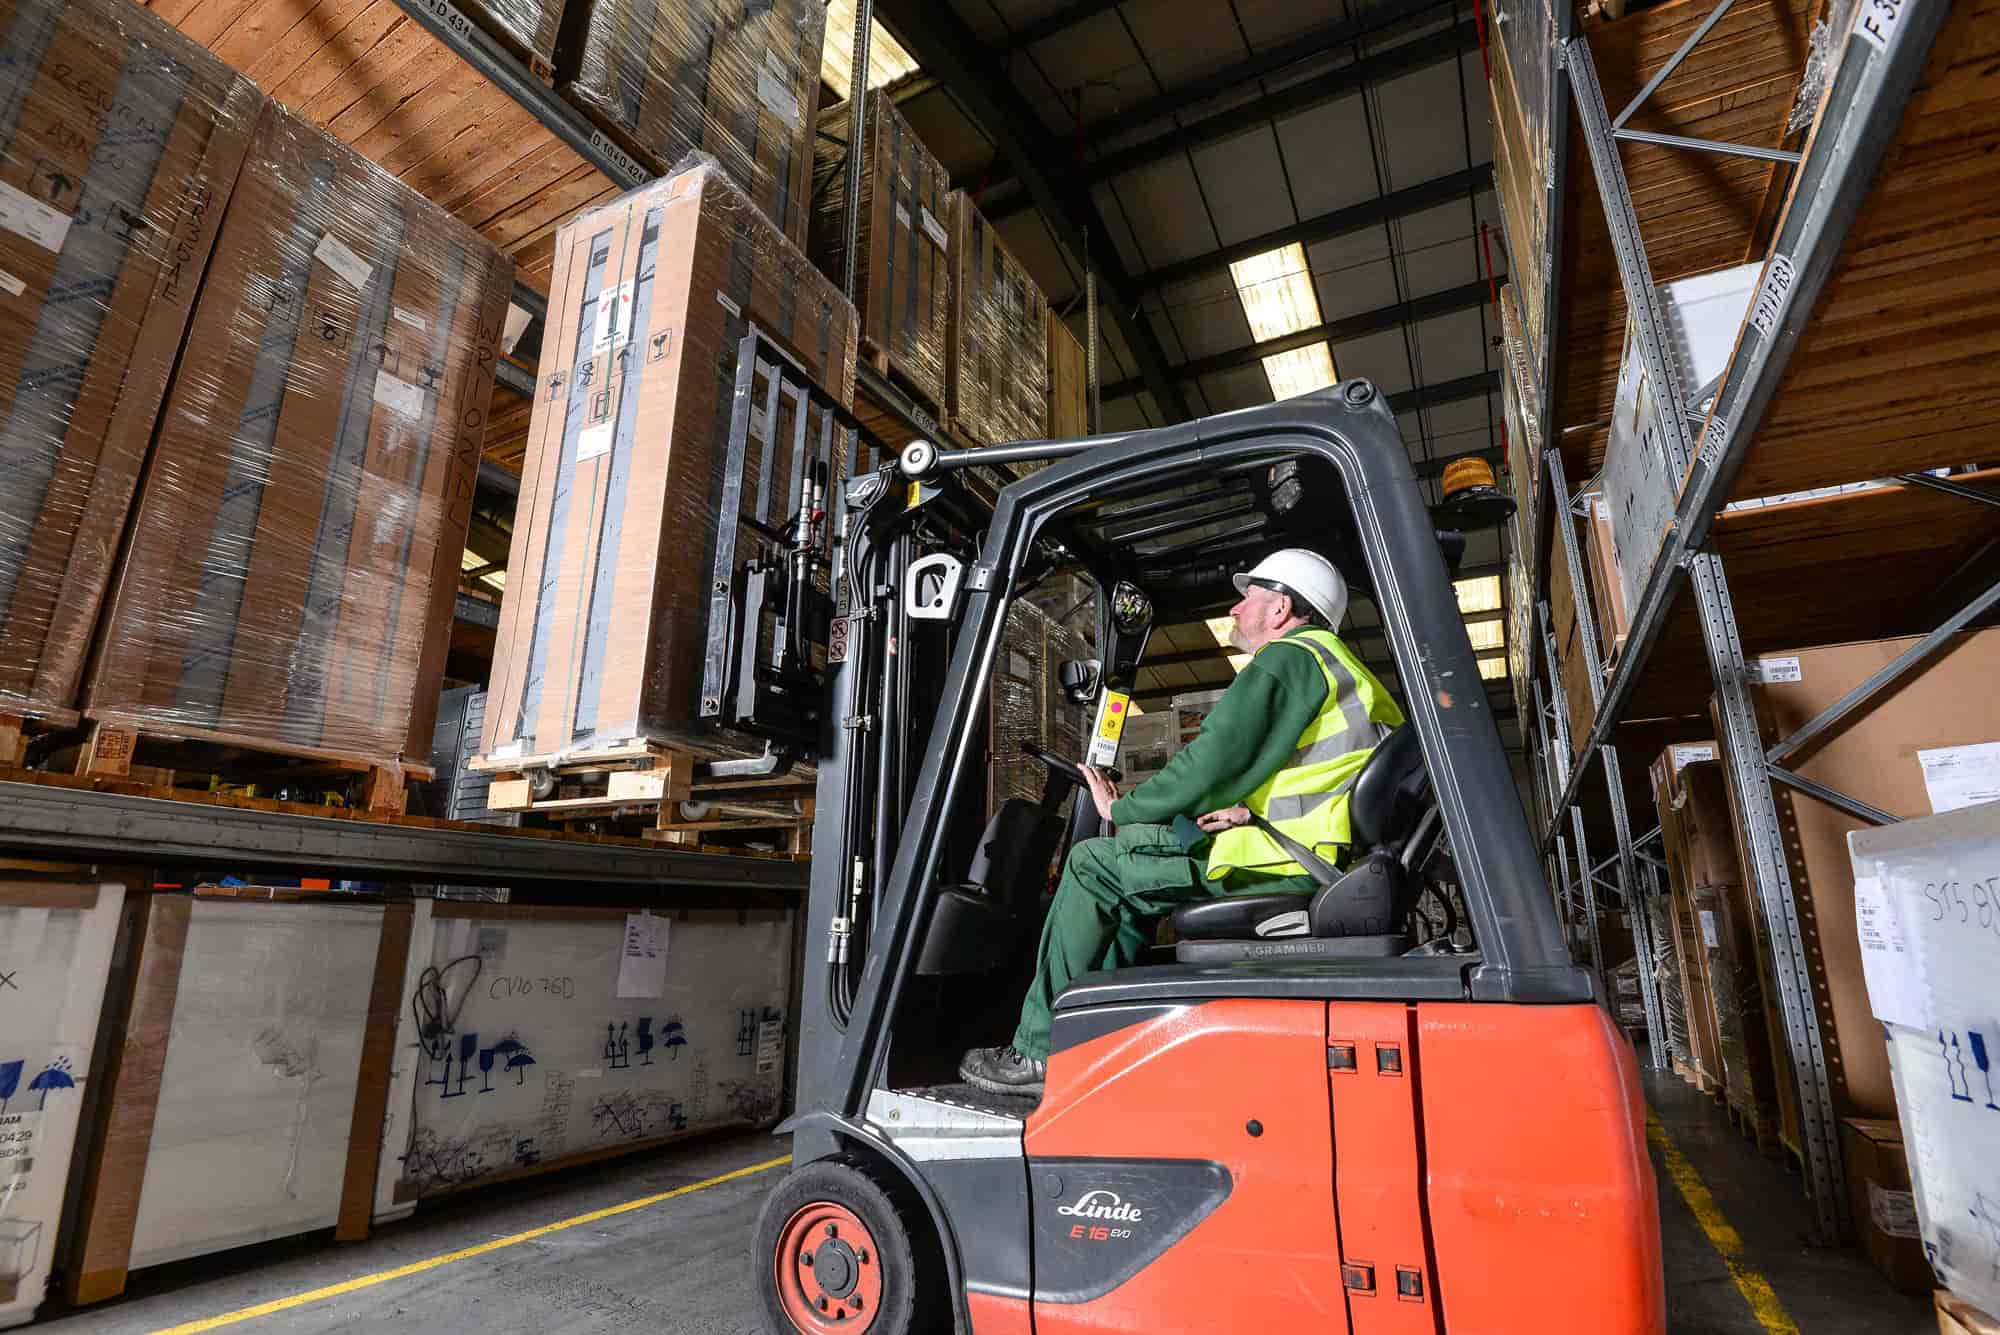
x=1323, y=872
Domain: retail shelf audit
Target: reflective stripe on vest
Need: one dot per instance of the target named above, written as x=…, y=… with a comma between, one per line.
x=1307, y=799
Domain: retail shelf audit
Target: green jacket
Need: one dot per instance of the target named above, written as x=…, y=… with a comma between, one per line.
x=1249, y=736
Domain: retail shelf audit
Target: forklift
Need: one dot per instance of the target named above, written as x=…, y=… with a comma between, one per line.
x=1292, y=1118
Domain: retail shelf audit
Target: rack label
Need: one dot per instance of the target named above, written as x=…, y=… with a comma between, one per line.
x=1688, y=752
x=1875, y=21
x=627, y=165
x=722, y=300
x=335, y=255
x=1771, y=295
x=24, y=215
x=1773, y=671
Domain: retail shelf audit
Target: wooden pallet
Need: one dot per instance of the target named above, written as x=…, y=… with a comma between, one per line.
x=886, y=366
x=185, y=757
x=641, y=787
x=1697, y=1077
x=20, y=725
x=1758, y=1126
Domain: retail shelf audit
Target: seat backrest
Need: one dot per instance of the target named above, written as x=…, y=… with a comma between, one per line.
x=1015, y=854
x=1387, y=799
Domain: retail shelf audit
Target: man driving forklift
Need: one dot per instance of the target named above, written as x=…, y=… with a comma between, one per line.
x=1264, y=785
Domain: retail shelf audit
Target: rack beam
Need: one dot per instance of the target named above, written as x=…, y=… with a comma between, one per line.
x=151, y=830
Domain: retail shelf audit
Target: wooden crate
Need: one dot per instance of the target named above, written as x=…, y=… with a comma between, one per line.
x=197, y=1148
x=1069, y=383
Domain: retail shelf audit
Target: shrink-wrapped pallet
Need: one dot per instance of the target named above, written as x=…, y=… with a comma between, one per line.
x=902, y=290
x=997, y=369
x=119, y=143
x=603, y=631
x=737, y=79
x=289, y=576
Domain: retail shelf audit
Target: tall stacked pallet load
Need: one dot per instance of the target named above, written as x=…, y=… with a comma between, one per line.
x=902, y=289
x=735, y=79
x=997, y=370
x=289, y=574
x=603, y=631
x=106, y=222
x=1054, y=622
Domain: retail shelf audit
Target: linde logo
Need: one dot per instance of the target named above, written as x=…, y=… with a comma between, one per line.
x=1101, y=1205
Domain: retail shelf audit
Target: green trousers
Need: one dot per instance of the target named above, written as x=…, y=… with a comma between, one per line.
x=1112, y=891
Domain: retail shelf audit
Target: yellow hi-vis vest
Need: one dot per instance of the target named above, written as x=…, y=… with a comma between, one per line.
x=1307, y=799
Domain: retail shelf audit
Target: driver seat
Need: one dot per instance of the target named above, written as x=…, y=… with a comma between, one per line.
x=1362, y=915
x=999, y=895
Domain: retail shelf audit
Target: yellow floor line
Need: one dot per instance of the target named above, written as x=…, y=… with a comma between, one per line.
x=418, y=1267
x=1728, y=1243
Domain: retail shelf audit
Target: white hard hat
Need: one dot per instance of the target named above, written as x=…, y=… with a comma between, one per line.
x=1307, y=576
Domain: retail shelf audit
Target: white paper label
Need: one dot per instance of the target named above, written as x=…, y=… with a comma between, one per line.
x=410, y=318
x=1689, y=752
x=778, y=98
x=27, y=216
x=11, y=285
x=902, y=215
x=1875, y=21
x=770, y=1045
x=1961, y=776
x=1894, y=1212
x=934, y=229
x=722, y=300
x=353, y=270
x=760, y=424
x=399, y=396
x=642, y=964
x=517, y=324
x=593, y=441
x=1895, y=989
x=1708, y=933
x=1770, y=671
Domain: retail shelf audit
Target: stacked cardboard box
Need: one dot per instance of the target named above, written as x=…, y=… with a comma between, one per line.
x=1689, y=864
x=902, y=290
x=1607, y=590
x=1917, y=748
x=736, y=79
x=1054, y=622
x=998, y=364
x=602, y=633
x=1880, y=1201
x=293, y=556
x=109, y=205
x=1069, y=383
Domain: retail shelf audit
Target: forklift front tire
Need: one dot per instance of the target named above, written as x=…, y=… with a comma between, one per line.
x=836, y=1250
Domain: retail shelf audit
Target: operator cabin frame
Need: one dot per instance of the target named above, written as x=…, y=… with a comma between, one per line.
x=1518, y=954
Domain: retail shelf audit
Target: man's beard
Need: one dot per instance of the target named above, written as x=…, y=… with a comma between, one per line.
x=1238, y=640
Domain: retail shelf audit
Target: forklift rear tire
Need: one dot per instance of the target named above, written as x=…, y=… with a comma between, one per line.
x=838, y=1248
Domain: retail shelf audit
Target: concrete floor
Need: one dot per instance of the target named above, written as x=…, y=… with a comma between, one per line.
x=678, y=1267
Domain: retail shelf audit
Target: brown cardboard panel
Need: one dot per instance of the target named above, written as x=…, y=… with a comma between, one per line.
x=603, y=631
x=93, y=304
x=295, y=544
x=997, y=369
x=1956, y=1316
x=903, y=287
x=371, y=1089
x=1872, y=756
x=1069, y=384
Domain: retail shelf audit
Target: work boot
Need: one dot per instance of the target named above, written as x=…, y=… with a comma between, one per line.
x=1003, y=1071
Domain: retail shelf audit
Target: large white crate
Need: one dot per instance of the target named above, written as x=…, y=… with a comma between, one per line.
x=56, y=940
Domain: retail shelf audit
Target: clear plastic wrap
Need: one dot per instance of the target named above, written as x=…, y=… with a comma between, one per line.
x=602, y=633
x=997, y=370
x=527, y=27
x=903, y=288
x=1522, y=92
x=1667, y=978
x=289, y=573
x=119, y=142
x=737, y=79
x=1069, y=384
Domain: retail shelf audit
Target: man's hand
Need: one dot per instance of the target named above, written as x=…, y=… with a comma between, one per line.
x=1101, y=793
x=1215, y=822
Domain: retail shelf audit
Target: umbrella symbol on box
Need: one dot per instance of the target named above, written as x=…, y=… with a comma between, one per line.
x=673, y=1038
x=512, y=1054
x=10, y=1081
x=54, y=1076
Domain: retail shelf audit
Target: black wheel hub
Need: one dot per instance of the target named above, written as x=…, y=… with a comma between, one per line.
x=836, y=1268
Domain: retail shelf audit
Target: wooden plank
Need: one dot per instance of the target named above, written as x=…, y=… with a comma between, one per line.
x=116, y=1169
x=371, y=1090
